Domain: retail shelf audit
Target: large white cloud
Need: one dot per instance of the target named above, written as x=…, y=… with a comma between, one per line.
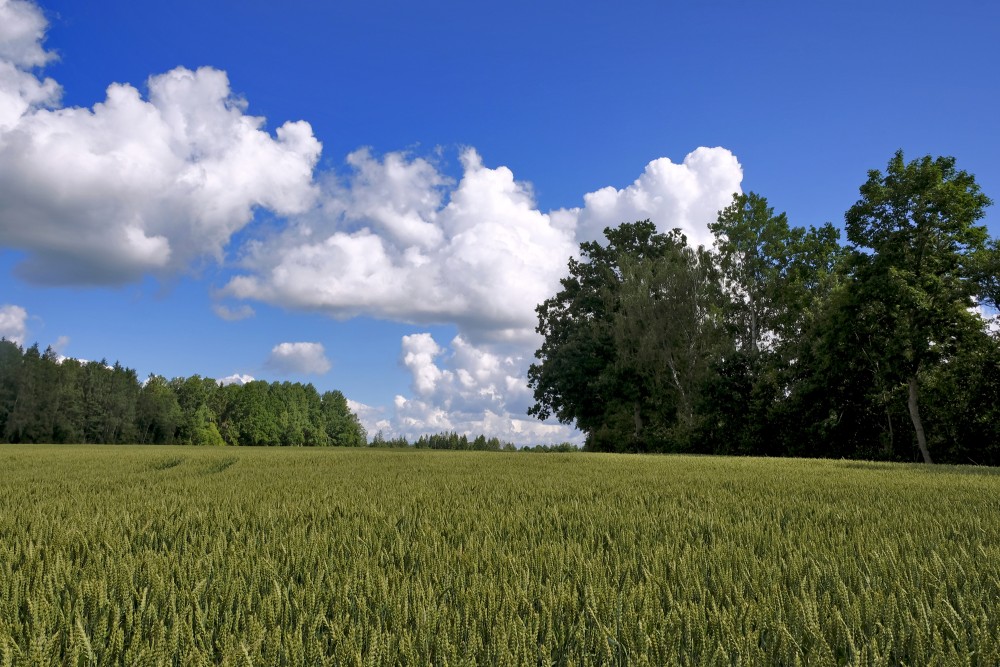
x=397, y=241
x=467, y=389
x=299, y=359
x=386, y=243
x=688, y=196
x=13, y=323
x=133, y=186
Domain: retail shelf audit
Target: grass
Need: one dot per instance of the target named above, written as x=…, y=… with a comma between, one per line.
x=186, y=556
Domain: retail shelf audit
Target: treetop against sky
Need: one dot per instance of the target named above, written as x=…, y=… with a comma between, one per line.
x=375, y=198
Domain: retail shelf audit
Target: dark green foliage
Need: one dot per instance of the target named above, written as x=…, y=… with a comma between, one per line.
x=460, y=442
x=45, y=399
x=961, y=398
x=10, y=365
x=984, y=270
x=921, y=258
x=597, y=367
x=30, y=419
x=561, y=448
x=738, y=407
x=448, y=441
x=158, y=414
x=782, y=342
x=340, y=425
x=381, y=442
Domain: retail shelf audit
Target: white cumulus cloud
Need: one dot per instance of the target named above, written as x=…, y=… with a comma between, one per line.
x=387, y=243
x=299, y=358
x=397, y=240
x=468, y=389
x=236, y=378
x=688, y=196
x=22, y=29
x=13, y=323
x=133, y=185
x=372, y=418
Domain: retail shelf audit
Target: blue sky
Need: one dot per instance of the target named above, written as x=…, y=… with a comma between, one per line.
x=166, y=224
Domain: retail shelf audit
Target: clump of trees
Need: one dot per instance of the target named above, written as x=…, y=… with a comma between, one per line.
x=447, y=440
x=781, y=340
x=452, y=440
x=45, y=399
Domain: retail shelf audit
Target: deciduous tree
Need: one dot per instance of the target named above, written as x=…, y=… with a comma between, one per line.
x=915, y=236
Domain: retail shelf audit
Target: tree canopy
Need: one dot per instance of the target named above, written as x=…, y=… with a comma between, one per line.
x=914, y=228
x=781, y=340
x=45, y=399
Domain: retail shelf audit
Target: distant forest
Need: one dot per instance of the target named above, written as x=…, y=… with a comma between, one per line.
x=782, y=341
x=47, y=400
x=480, y=443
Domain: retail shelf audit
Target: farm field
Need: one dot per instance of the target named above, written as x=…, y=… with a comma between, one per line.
x=255, y=556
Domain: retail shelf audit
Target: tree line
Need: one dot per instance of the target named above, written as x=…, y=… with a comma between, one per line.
x=45, y=399
x=452, y=440
x=783, y=341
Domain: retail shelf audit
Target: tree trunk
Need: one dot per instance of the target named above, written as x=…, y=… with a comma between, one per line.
x=891, y=447
x=637, y=417
x=917, y=424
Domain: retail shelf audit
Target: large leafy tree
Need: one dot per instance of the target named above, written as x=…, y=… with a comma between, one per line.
x=157, y=412
x=598, y=365
x=340, y=425
x=667, y=329
x=10, y=366
x=751, y=242
x=196, y=397
x=916, y=239
x=774, y=279
x=771, y=272
x=574, y=377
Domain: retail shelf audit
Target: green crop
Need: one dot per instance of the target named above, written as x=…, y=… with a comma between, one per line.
x=180, y=556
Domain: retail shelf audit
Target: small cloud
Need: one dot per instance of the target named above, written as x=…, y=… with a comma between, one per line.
x=13, y=323
x=236, y=378
x=232, y=314
x=299, y=358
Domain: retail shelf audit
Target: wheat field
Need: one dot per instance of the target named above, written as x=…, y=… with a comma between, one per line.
x=253, y=556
